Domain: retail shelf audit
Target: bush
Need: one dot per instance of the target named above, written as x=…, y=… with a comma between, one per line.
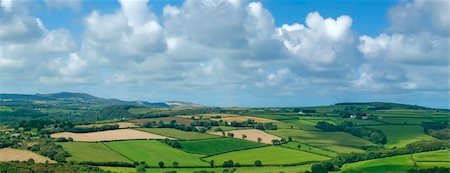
x=258, y=163
x=161, y=164
x=228, y=163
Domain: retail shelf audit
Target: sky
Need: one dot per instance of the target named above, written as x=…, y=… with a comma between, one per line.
x=230, y=52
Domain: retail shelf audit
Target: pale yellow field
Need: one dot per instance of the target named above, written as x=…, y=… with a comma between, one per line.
x=208, y=115
x=245, y=118
x=252, y=135
x=110, y=135
x=9, y=154
x=122, y=125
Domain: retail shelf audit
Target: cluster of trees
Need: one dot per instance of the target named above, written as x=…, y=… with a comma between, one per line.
x=278, y=142
x=51, y=150
x=373, y=135
x=174, y=144
x=439, y=130
x=175, y=125
x=92, y=129
x=266, y=126
x=416, y=147
x=8, y=140
x=31, y=167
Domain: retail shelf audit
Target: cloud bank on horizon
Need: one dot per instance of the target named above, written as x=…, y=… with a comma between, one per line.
x=227, y=52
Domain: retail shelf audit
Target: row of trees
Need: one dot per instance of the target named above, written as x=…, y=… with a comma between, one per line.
x=175, y=125
x=51, y=150
x=373, y=135
x=439, y=130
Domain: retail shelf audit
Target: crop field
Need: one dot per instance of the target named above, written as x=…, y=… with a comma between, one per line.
x=252, y=135
x=178, y=134
x=109, y=135
x=308, y=148
x=9, y=154
x=267, y=155
x=334, y=141
x=433, y=156
x=88, y=151
x=400, y=135
x=265, y=169
x=121, y=125
x=400, y=163
x=245, y=118
x=216, y=146
x=152, y=152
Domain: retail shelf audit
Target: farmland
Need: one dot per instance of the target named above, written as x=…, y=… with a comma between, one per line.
x=267, y=155
x=94, y=152
x=178, y=134
x=251, y=135
x=291, y=139
x=9, y=154
x=110, y=135
x=216, y=146
x=153, y=152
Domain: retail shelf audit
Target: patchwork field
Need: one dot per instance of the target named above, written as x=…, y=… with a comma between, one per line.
x=265, y=169
x=308, y=148
x=245, y=118
x=9, y=154
x=109, y=135
x=267, y=155
x=334, y=141
x=216, y=146
x=88, y=151
x=400, y=135
x=400, y=163
x=252, y=135
x=178, y=134
x=121, y=125
x=152, y=152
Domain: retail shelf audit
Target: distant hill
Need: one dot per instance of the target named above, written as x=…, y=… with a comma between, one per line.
x=70, y=99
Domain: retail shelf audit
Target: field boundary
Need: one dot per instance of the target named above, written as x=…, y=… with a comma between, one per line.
x=117, y=152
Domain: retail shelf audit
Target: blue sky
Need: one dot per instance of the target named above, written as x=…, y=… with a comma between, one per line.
x=229, y=52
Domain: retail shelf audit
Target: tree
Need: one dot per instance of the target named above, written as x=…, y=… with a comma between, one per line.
x=259, y=140
x=289, y=138
x=211, y=163
x=228, y=163
x=258, y=163
x=140, y=168
x=299, y=146
x=223, y=133
x=318, y=168
x=161, y=164
x=175, y=164
x=244, y=136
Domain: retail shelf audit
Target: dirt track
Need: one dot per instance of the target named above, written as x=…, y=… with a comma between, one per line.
x=110, y=135
x=9, y=154
x=252, y=135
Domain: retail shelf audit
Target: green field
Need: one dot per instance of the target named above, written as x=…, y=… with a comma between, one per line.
x=267, y=155
x=334, y=141
x=403, y=120
x=399, y=163
x=5, y=109
x=216, y=146
x=274, y=116
x=152, y=152
x=400, y=135
x=178, y=134
x=96, y=152
x=441, y=156
x=302, y=124
x=265, y=169
x=308, y=148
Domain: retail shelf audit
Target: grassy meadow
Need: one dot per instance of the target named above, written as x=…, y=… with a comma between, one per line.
x=216, y=146
x=178, y=134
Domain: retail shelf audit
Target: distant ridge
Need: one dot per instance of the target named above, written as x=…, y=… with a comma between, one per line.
x=69, y=98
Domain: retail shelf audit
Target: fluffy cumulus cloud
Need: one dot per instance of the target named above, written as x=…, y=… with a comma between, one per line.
x=226, y=48
x=414, y=51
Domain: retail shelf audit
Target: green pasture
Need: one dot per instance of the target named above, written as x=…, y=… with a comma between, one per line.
x=88, y=151
x=152, y=152
x=309, y=148
x=335, y=141
x=5, y=109
x=267, y=155
x=400, y=135
x=178, y=134
x=216, y=146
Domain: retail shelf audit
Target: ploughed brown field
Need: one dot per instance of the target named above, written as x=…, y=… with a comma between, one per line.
x=252, y=135
x=109, y=135
x=122, y=125
x=9, y=154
